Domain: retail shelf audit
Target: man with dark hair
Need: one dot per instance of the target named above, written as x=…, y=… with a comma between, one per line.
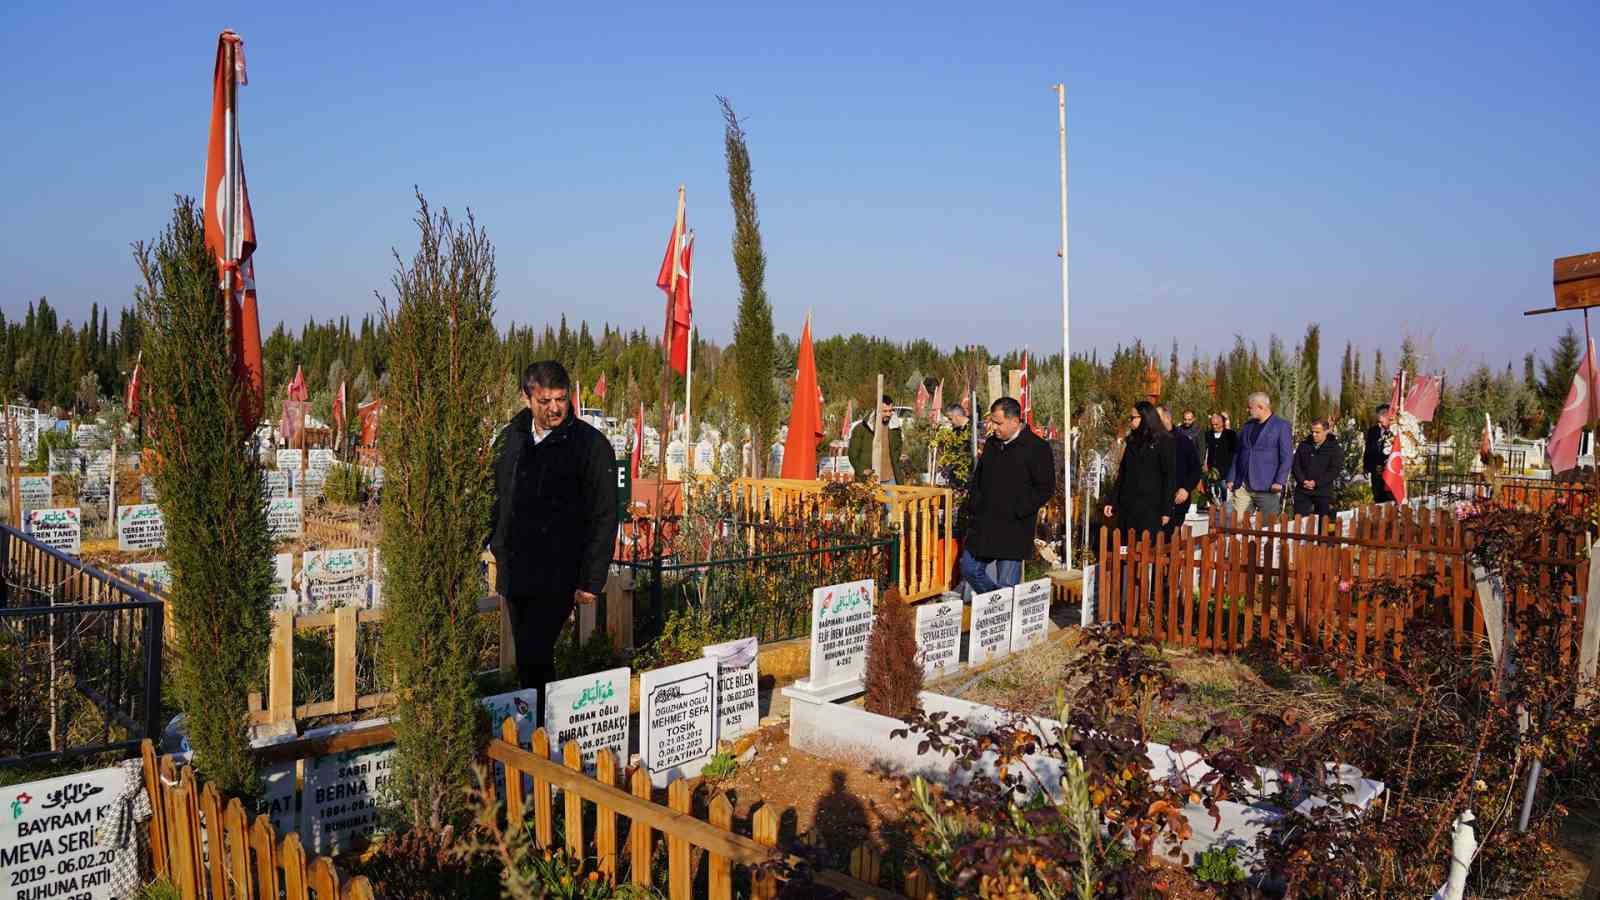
x=1189, y=428
x=1317, y=462
x=1187, y=468
x=1014, y=478
x=862, y=445
x=555, y=519
x=1375, y=457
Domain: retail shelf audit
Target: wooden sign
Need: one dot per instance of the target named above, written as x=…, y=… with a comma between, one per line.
x=1577, y=281
x=48, y=846
x=678, y=715
x=140, y=527
x=939, y=636
x=841, y=623
x=991, y=626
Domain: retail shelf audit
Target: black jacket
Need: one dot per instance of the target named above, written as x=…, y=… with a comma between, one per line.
x=1376, y=454
x=1220, y=450
x=1146, y=481
x=1320, y=464
x=1186, y=468
x=1009, y=486
x=554, y=523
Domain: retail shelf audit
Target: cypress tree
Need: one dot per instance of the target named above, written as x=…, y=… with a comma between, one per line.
x=437, y=437
x=753, y=343
x=210, y=488
x=1557, y=373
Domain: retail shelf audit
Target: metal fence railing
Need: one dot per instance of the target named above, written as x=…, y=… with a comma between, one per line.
x=80, y=657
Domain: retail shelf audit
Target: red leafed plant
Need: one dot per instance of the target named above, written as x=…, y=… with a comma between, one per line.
x=894, y=675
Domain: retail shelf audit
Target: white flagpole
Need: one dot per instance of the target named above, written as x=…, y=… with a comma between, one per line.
x=1066, y=341
x=688, y=379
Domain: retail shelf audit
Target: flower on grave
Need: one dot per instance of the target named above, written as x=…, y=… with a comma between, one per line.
x=1344, y=586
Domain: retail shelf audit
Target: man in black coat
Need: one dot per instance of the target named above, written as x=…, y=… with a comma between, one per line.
x=1186, y=468
x=1317, y=463
x=1015, y=477
x=554, y=523
x=1375, y=456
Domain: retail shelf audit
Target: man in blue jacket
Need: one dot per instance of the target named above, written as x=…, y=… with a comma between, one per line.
x=1261, y=466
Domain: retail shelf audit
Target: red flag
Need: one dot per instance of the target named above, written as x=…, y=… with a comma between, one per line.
x=297, y=387
x=1394, y=471
x=805, y=418
x=338, y=410
x=674, y=279
x=600, y=387
x=938, y=402
x=131, y=402
x=368, y=413
x=1575, y=415
x=1422, y=400
x=638, y=441
x=230, y=227
x=1027, y=398
x=849, y=419
x=1486, y=442
x=1397, y=403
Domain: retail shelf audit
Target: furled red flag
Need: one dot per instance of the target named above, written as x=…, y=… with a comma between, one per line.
x=849, y=419
x=338, y=410
x=1486, y=441
x=938, y=402
x=230, y=228
x=368, y=413
x=674, y=279
x=805, y=418
x=1422, y=400
x=297, y=387
x=131, y=402
x=1027, y=395
x=922, y=399
x=600, y=387
x=1394, y=471
x=1397, y=403
x=638, y=442
x=1575, y=415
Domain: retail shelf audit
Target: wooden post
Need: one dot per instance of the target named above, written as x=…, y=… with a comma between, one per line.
x=572, y=758
x=605, y=820
x=515, y=812
x=680, y=876
x=719, y=875
x=543, y=815
x=280, y=667
x=639, y=835
x=764, y=830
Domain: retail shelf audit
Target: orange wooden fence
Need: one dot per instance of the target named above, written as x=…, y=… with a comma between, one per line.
x=1296, y=584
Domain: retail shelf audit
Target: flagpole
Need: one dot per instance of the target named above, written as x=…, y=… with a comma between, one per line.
x=1066, y=340
x=1588, y=347
x=688, y=383
x=666, y=371
x=231, y=179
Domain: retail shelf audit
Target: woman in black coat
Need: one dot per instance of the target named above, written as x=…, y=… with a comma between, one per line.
x=1147, y=479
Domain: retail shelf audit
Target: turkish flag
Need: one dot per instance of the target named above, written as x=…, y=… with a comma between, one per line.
x=297, y=387
x=1575, y=415
x=1422, y=401
x=674, y=279
x=600, y=387
x=805, y=418
x=338, y=410
x=134, y=387
x=638, y=442
x=1027, y=395
x=922, y=399
x=1394, y=471
x=230, y=227
x=938, y=402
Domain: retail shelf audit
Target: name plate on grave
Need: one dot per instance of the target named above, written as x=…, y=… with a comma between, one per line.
x=592, y=710
x=991, y=626
x=678, y=713
x=841, y=623
x=939, y=636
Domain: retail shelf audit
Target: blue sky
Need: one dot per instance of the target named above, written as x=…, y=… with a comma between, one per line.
x=1234, y=167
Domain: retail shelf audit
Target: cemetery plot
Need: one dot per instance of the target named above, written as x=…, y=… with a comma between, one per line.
x=48, y=843
x=678, y=713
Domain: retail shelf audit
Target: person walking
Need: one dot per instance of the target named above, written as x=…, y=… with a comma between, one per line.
x=554, y=520
x=1014, y=478
x=955, y=459
x=1261, y=465
x=1221, y=443
x=1317, y=462
x=1375, y=456
x=1189, y=427
x=888, y=471
x=1147, y=478
x=1186, y=468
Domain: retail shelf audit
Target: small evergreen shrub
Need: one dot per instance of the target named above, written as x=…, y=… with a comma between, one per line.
x=1219, y=865
x=894, y=674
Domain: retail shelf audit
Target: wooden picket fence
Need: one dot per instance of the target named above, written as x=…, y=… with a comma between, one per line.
x=207, y=847
x=1298, y=583
x=701, y=854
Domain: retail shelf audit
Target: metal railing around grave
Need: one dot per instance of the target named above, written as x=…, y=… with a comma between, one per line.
x=80, y=657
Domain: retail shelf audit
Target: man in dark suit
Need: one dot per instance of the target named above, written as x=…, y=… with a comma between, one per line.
x=1375, y=457
x=1187, y=467
x=1015, y=477
x=554, y=523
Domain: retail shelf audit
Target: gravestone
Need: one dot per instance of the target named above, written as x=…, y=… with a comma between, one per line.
x=288, y=460
x=320, y=458
x=86, y=435
x=678, y=717
x=939, y=636
x=59, y=528
x=334, y=578
x=48, y=846
x=275, y=483
x=140, y=527
x=592, y=710
x=285, y=518
x=95, y=464
x=310, y=484
x=1086, y=611
x=841, y=623
x=36, y=491
x=342, y=796
x=151, y=576
x=738, y=694
x=677, y=459
x=277, y=795
x=705, y=457
x=93, y=491
x=1030, y=614
x=63, y=462
x=377, y=580
x=991, y=626
x=147, y=490
x=282, y=573
x=518, y=705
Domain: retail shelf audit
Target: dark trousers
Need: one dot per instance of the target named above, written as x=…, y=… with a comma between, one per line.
x=536, y=623
x=1305, y=505
x=1175, y=520
x=1380, y=489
